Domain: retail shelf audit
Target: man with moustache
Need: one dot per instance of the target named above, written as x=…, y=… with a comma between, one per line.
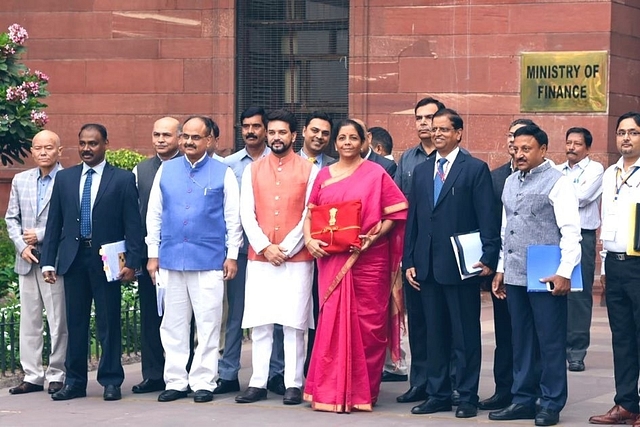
x=193, y=238
x=165, y=138
x=586, y=175
x=92, y=204
x=26, y=218
x=315, y=133
x=416, y=325
x=253, y=125
x=274, y=195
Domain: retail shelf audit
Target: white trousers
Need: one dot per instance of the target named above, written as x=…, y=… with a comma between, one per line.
x=262, y=341
x=197, y=293
x=35, y=294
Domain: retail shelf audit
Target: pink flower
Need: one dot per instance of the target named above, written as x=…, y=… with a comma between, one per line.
x=40, y=118
x=17, y=34
x=32, y=87
x=42, y=76
x=17, y=94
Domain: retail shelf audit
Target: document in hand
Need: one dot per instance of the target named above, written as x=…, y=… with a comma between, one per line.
x=633, y=247
x=467, y=247
x=161, y=287
x=113, y=259
x=543, y=261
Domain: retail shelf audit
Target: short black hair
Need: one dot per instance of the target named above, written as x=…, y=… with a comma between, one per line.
x=284, y=116
x=426, y=101
x=524, y=122
x=254, y=111
x=452, y=115
x=347, y=122
x=380, y=136
x=95, y=126
x=317, y=115
x=588, y=138
x=630, y=115
x=536, y=132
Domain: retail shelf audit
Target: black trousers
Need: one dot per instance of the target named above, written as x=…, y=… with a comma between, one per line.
x=152, y=350
x=417, y=326
x=503, y=354
x=623, y=307
x=85, y=281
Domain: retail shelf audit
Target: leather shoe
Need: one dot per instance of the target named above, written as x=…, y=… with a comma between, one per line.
x=515, y=411
x=69, y=392
x=576, y=366
x=202, y=396
x=414, y=394
x=547, y=417
x=276, y=385
x=431, y=406
x=466, y=410
x=390, y=377
x=148, y=386
x=292, y=396
x=171, y=395
x=252, y=394
x=54, y=386
x=25, y=387
x=616, y=415
x=497, y=401
x=112, y=392
x=226, y=386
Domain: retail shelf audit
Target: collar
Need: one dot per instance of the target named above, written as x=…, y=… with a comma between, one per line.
x=305, y=156
x=246, y=154
x=51, y=174
x=99, y=168
x=197, y=162
x=282, y=160
x=582, y=164
x=538, y=169
x=176, y=154
x=619, y=164
x=368, y=154
x=451, y=157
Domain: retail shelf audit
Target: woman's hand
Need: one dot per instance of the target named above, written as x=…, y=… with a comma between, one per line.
x=367, y=241
x=314, y=246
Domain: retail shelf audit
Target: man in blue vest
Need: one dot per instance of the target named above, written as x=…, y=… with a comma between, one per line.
x=193, y=237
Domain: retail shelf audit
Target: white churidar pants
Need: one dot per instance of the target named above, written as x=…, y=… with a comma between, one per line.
x=197, y=293
x=262, y=341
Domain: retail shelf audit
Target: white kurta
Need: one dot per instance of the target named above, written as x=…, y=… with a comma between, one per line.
x=275, y=294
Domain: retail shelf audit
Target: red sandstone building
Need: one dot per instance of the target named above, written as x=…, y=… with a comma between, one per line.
x=125, y=63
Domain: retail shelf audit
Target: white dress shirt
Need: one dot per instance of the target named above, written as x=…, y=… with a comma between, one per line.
x=586, y=177
x=451, y=157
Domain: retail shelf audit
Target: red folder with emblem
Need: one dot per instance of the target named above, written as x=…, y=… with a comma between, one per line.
x=337, y=224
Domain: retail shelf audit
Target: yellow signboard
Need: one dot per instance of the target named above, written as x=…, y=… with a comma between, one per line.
x=564, y=82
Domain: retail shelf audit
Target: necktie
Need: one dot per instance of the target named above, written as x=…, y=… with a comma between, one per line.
x=85, y=207
x=438, y=181
x=312, y=160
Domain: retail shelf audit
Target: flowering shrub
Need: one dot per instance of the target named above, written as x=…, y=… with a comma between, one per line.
x=21, y=91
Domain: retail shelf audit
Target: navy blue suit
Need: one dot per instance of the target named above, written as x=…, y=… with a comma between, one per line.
x=115, y=217
x=451, y=306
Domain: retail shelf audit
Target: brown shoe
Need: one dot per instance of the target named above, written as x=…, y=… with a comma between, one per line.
x=54, y=386
x=25, y=387
x=616, y=415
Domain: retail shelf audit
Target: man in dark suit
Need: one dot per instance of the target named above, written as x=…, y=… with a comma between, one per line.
x=92, y=203
x=367, y=153
x=503, y=354
x=165, y=138
x=445, y=200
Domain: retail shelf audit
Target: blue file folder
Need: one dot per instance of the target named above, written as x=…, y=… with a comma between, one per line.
x=543, y=261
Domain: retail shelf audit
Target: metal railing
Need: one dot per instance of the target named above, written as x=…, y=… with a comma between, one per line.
x=10, y=338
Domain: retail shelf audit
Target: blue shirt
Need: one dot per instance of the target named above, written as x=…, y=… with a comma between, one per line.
x=44, y=182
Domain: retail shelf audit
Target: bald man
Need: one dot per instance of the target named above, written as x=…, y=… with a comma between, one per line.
x=26, y=220
x=165, y=138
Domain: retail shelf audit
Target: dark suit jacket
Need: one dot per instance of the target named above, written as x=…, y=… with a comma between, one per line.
x=388, y=165
x=465, y=204
x=498, y=177
x=115, y=217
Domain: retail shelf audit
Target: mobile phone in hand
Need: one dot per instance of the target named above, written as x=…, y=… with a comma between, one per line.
x=36, y=254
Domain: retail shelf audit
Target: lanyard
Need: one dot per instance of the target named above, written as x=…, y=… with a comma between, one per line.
x=582, y=169
x=624, y=180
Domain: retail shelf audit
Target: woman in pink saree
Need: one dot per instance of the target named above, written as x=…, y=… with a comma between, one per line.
x=359, y=291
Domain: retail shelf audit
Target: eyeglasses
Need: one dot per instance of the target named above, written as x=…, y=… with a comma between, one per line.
x=194, y=138
x=441, y=130
x=632, y=133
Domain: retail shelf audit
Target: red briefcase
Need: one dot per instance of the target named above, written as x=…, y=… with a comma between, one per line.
x=337, y=224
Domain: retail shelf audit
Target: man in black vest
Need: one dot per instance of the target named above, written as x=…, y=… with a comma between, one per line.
x=165, y=139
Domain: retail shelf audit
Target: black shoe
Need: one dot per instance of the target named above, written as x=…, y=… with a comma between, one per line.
x=390, y=377
x=276, y=385
x=414, y=394
x=148, y=386
x=25, y=387
x=252, y=394
x=576, y=366
x=68, y=392
x=466, y=410
x=455, y=398
x=54, y=386
x=547, y=417
x=497, y=401
x=202, y=396
x=112, y=392
x=292, y=396
x=171, y=395
x=431, y=406
x=226, y=386
x=514, y=411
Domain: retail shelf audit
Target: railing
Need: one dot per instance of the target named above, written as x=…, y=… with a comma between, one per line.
x=10, y=338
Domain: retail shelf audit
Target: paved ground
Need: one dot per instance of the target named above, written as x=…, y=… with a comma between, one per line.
x=590, y=392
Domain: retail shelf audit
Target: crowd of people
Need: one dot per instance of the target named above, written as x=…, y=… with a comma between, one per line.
x=299, y=244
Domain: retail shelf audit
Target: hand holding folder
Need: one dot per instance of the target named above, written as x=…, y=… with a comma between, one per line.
x=542, y=263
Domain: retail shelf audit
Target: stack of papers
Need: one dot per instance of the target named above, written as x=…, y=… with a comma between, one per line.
x=467, y=248
x=113, y=259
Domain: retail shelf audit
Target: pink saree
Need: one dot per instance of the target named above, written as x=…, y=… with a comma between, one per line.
x=360, y=296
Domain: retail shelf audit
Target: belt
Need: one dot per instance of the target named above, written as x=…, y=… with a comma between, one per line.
x=85, y=243
x=587, y=231
x=621, y=256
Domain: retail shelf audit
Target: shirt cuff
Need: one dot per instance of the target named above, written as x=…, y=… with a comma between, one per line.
x=565, y=269
x=152, y=251
x=232, y=252
x=46, y=268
